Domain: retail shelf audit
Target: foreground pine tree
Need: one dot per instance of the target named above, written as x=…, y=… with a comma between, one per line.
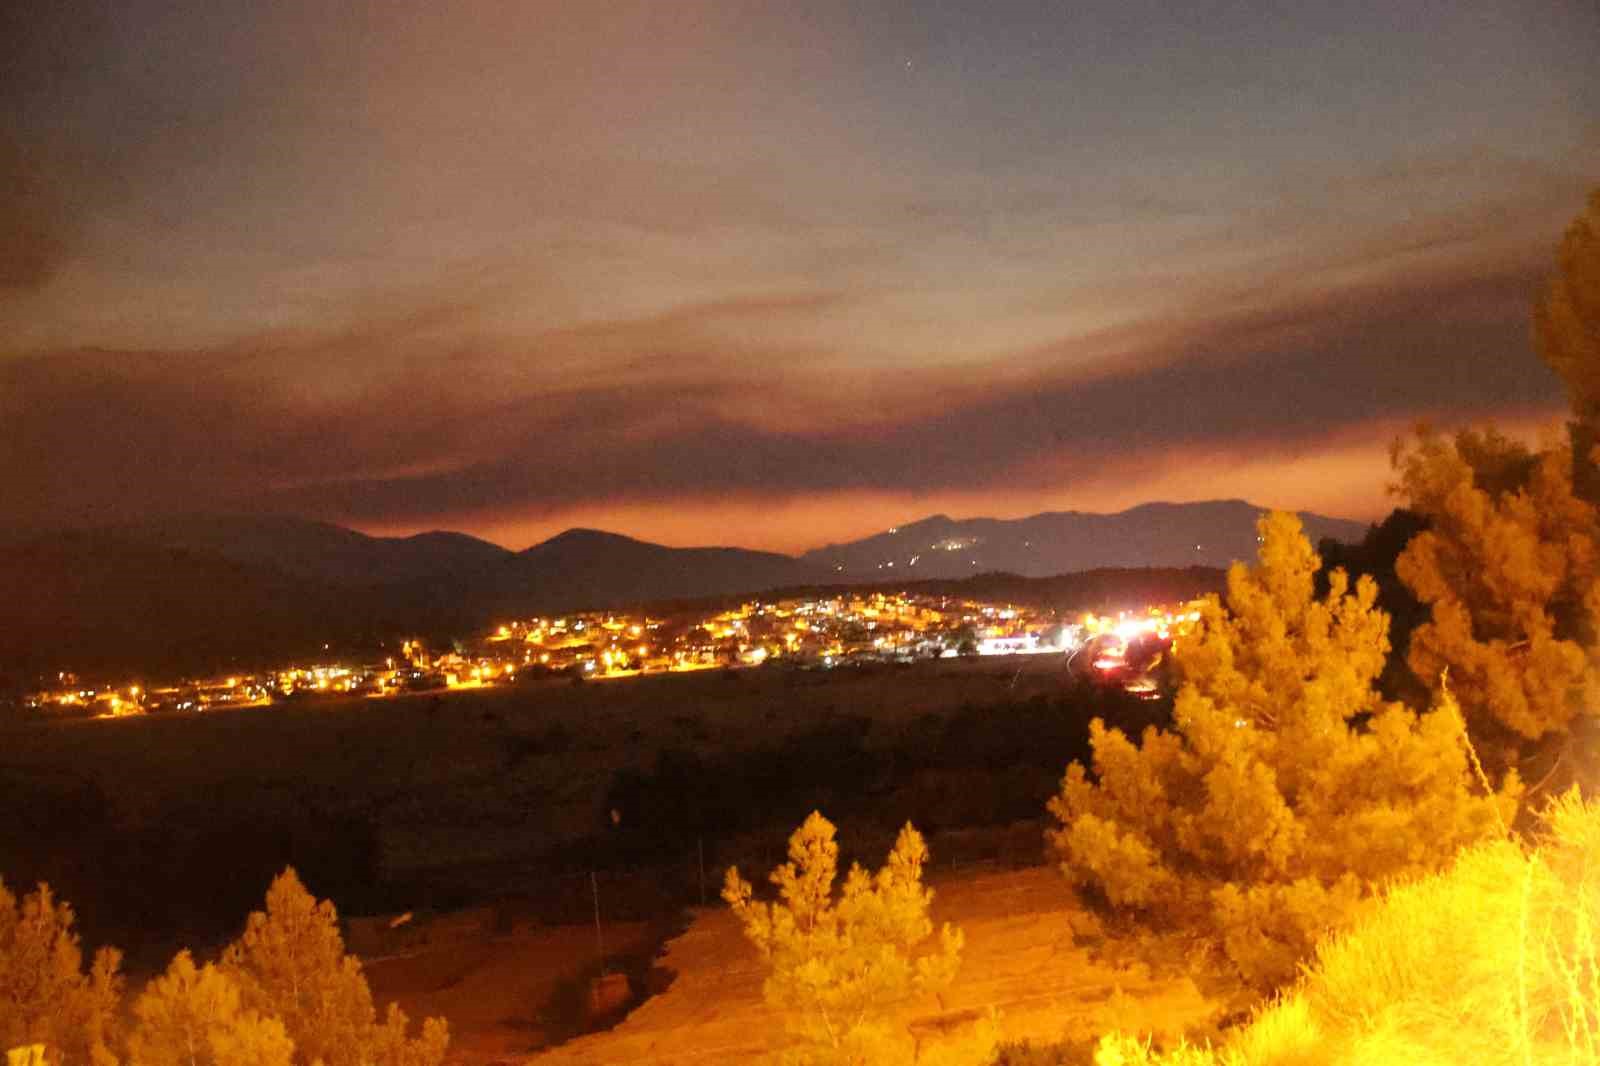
x=46, y=998
x=1509, y=567
x=193, y=1016
x=1494, y=962
x=290, y=964
x=1510, y=562
x=837, y=964
x=1287, y=789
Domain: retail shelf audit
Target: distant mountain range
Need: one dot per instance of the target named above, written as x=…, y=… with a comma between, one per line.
x=587, y=567
x=319, y=550
x=1213, y=533
x=200, y=592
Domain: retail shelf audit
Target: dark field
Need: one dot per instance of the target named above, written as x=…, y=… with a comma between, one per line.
x=165, y=831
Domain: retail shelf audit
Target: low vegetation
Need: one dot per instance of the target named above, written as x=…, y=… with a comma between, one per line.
x=1496, y=960
x=284, y=994
x=836, y=964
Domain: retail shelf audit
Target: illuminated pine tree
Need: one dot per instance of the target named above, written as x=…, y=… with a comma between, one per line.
x=1492, y=962
x=1287, y=788
x=838, y=963
x=1508, y=567
x=192, y=1016
x=1567, y=330
x=1567, y=323
x=290, y=963
x=46, y=997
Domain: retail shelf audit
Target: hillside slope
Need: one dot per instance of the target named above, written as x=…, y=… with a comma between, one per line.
x=1021, y=960
x=592, y=568
x=1211, y=534
x=320, y=550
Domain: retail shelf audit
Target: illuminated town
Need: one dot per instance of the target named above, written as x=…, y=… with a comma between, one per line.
x=848, y=630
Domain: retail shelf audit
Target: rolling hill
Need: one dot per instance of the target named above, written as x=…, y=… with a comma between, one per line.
x=592, y=568
x=239, y=594
x=1210, y=534
x=320, y=550
x=225, y=592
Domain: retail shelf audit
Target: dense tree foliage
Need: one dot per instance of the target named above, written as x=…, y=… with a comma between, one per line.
x=839, y=962
x=1494, y=961
x=1508, y=567
x=290, y=963
x=284, y=993
x=193, y=1016
x=1508, y=564
x=1287, y=788
x=1376, y=556
x=46, y=997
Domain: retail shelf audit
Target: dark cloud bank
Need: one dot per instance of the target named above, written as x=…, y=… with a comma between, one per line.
x=96, y=435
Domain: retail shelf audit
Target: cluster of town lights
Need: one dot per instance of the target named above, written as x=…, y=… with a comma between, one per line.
x=1113, y=638
x=823, y=632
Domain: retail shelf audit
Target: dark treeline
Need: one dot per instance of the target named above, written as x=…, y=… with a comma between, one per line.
x=983, y=765
x=183, y=875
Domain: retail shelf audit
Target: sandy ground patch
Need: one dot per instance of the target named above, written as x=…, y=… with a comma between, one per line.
x=1021, y=960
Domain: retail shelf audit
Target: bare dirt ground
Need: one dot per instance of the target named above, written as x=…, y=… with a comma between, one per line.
x=507, y=996
x=1022, y=960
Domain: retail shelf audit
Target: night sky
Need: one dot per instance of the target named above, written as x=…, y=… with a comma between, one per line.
x=769, y=274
